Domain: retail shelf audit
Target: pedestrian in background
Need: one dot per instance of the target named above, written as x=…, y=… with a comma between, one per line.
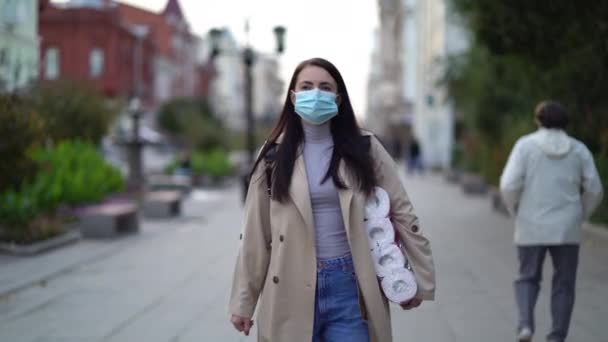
x=304, y=252
x=551, y=185
x=414, y=158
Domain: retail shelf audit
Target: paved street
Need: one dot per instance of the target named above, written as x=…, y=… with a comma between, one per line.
x=171, y=282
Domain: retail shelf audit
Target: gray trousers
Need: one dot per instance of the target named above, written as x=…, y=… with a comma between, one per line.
x=527, y=285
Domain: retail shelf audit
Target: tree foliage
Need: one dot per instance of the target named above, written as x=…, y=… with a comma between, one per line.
x=524, y=52
x=21, y=130
x=72, y=111
x=191, y=122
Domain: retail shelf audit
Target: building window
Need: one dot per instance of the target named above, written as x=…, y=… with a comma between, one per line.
x=96, y=62
x=11, y=13
x=51, y=63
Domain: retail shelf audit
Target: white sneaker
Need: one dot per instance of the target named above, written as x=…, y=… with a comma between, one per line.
x=525, y=335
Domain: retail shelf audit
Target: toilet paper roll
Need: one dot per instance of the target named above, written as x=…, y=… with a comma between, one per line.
x=378, y=204
x=387, y=258
x=380, y=232
x=400, y=286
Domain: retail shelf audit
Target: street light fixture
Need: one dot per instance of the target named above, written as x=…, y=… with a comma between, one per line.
x=279, y=33
x=215, y=35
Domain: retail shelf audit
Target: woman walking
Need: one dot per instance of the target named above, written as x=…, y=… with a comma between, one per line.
x=304, y=254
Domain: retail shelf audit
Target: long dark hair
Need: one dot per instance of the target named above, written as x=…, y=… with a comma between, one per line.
x=348, y=141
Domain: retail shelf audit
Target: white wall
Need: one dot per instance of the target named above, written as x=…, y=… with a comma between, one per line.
x=437, y=36
x=268, y=92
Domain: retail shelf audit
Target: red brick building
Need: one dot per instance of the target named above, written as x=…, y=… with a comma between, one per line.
x=177, y=72
x=122, y=48
x=95, y=45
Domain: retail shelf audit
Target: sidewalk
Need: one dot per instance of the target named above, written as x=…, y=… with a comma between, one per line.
x=171, y=281
x=476, y=264
x=19, y=273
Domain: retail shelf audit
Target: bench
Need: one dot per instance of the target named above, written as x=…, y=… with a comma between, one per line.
x=159, y=204
x=109, y=220
x=170, y=182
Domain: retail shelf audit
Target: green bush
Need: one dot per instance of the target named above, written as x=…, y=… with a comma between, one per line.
x=601, y=213
x=191, y=122
x=17, y=209
x=214, y=163
x=73, y=111
x=172, y=167
x=72, y=173
x=21, y=130
x=77, y=172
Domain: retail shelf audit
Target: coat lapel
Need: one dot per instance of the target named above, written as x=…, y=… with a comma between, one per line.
x=299, y=191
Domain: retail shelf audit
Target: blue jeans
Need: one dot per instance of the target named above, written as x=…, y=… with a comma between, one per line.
x=337, y=313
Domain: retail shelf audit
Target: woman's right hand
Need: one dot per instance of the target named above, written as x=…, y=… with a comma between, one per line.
x=242, y=324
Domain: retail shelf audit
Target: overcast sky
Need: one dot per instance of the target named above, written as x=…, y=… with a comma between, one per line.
x=338, y=30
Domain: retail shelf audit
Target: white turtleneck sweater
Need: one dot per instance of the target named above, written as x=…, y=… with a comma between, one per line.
x=330, y=234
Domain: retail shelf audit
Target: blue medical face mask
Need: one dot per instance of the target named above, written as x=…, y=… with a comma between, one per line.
x=316, y=106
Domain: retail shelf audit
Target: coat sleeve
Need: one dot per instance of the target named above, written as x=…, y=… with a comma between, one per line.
x=253, y=253
x=592, y=185
x=407, y=226
x=512, y=178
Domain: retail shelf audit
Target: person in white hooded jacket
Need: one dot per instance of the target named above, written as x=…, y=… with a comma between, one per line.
x=550, y=185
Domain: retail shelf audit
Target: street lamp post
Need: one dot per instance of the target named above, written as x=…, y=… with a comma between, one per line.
x=135, y=144
x=248, y=60
x=134, y=147
x=248, y=56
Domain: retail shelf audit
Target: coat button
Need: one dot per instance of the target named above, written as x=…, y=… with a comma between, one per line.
x=275, y=279
x=241, y=237
x=415, y=228
x=281, y=238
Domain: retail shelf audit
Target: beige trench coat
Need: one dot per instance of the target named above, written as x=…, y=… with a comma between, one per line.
x=276, y=262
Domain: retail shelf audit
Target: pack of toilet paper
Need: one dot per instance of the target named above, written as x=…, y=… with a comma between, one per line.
x=377, y=205
x=380, y=232
x=397, y=281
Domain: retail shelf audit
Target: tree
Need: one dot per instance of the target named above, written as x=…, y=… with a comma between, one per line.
x=191, y=122
x=21, y=130
x=73, y=111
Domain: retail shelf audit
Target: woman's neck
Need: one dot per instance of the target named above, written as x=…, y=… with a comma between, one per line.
x=316, y=133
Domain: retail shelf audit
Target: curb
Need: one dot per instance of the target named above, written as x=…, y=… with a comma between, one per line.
x=43, y=277
x=66, y=238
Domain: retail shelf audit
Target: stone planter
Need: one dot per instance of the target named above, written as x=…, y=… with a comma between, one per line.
x=162, y=204
x=206, y=181
x=453, y=176
x=473, y=184
x=70, y=236
x=170, y=182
